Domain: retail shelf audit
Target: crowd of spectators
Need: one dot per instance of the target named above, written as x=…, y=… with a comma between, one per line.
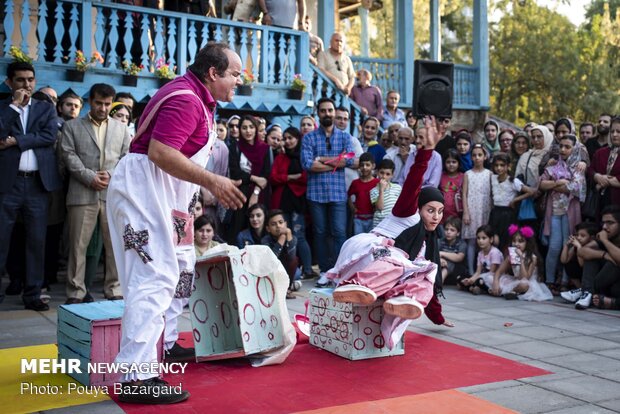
x=558, y=184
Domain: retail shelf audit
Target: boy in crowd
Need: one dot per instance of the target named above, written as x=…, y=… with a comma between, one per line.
x=452, y=250
x=573, y=264
x=359, y=195
x=384, y=195
x=283, y=244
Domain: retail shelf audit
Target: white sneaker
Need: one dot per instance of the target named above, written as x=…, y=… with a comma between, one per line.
x=571, y=296
x=585, y=301
x=354, y=294
x=323, y=281
x=403, y=307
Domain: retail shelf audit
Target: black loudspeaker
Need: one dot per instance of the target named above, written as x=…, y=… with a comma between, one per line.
x=432, y=88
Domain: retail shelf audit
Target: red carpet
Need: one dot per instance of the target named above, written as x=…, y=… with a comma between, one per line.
x=312, y=378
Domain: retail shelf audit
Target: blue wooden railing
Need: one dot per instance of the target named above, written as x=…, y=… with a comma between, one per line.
x=52, y=32
x=145, y=36
x=388, y=74
x=324, y=87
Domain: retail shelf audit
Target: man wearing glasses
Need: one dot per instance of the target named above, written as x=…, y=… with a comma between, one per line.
x=322, y=155
x=336, y=65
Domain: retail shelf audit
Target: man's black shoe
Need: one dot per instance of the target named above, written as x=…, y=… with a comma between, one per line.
x=14, y=288
x=37, y=305
x=179, y=354
x=88, y=298
x=151, y=391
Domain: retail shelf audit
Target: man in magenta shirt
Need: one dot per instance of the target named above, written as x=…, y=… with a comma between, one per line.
x=150, y=201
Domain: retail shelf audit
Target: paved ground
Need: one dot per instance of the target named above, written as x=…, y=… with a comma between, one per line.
x=582, y=348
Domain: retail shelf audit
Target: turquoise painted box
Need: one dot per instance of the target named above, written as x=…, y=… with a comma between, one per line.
x=233, y=312
x=348, y=330
x=91, y=332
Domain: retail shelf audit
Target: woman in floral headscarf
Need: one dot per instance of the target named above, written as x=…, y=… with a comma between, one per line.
x=579, y=158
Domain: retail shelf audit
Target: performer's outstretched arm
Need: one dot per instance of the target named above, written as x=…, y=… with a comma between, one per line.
x=407, y=203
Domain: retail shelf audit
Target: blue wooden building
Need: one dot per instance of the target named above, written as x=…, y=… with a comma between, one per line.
x=51, y=31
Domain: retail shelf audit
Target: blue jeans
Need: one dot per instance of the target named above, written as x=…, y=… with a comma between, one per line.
x=297, y=224
x=361, y=226
x=326, y=217
x=557, y=238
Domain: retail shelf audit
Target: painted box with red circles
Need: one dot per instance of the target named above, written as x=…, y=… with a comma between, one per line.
x=346, y=329
x=91, y=332
x=233, y=312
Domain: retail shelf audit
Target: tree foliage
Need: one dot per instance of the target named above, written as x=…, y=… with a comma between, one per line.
x=543, y=67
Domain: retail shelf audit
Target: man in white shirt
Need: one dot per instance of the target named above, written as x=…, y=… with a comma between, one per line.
x=28, y=173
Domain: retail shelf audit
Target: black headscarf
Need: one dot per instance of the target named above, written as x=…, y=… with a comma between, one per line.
x=411, y=239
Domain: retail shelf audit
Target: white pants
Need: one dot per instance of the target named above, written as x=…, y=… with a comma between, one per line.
x=152, y=236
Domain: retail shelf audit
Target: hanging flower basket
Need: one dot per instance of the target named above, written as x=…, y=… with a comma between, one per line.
x=295, y=94
x=244, y=90
x=130, y=80
x=75, y=75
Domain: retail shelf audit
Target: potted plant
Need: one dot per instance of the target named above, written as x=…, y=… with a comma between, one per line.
x=248, y=79
x=82, y=65
x=19, y=55
x=163, y=72
x=298, y=87
x=130, y=78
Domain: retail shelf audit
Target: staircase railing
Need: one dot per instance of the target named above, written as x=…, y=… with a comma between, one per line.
x=322, y=87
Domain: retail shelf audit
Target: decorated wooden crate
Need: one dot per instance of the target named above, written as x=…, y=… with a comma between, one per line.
x=91, y=332
x=234, y=313
x=348, y=330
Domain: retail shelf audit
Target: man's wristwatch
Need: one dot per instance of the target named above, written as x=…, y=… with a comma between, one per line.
x=256, y=191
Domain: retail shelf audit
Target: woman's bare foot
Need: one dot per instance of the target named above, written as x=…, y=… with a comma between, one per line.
x=448, y=324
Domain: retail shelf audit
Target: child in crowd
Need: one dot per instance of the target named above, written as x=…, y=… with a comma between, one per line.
x=463, y=148
x=284, y=245
x=452, y=250
x=198, y=210
x=451, y=186
x=384, y=195
x=489, y=258
x=476, y=201
x=359, y=195
x=563, y=185
x=573, y=264
x=517, y=276
x=505, y=189
x=204, y=231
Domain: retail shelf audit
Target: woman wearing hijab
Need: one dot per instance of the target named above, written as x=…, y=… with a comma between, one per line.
x=578, y=159
x=490, y=142
x=400, y=257
x=248, y=161
x=529, y=162
x=604, y=172
x=528, y=169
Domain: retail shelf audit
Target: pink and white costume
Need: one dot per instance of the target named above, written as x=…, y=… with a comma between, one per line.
x=372, y=261
x=150, y=222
